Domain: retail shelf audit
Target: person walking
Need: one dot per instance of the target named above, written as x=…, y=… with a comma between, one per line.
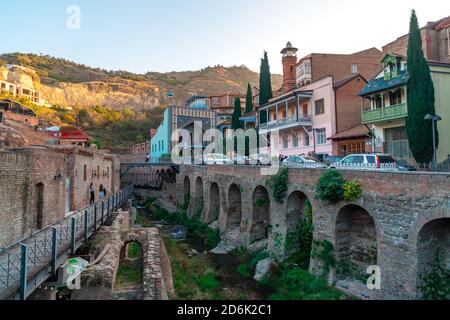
x=92, y=193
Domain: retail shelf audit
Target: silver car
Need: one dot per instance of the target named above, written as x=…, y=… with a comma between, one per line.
x=303, y=162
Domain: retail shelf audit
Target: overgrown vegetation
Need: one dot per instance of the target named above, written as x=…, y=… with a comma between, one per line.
x=435, y=285
x=248, y=260
x=352, y=190
x=278, y=183
x=298, y=244
x=332, y=187
x=323, y=251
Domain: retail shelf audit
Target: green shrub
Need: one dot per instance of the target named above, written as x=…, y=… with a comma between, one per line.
x=245, y=271
x=330, y=186
x=279, y=184
x=352, y=190
x=323, y=250
x=207, y=281
x=435, y=285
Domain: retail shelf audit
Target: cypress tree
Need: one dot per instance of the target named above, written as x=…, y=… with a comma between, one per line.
x=421, y=98
x=237, y=113
x=265, y=85
x=249, y=100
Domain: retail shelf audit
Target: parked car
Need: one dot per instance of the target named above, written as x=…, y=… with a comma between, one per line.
x=242, y=160
x=331, y=159
x=405, y=167
x=370, y=161
x=302, y=161
x=217, y=158
x=260, y=159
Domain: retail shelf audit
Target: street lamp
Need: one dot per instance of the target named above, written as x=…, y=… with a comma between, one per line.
x=433, y=118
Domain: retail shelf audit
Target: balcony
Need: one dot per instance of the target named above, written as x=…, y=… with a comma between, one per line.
x=289, y=122
x=387, y=113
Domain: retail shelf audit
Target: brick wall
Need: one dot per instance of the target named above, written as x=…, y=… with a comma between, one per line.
x=340, y=65
x=348, y=104
x=397, y=206
x=23, y=170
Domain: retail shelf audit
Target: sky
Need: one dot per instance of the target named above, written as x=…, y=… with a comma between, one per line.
x=176, y=35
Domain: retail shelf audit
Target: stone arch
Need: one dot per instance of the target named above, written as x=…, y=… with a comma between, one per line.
x=186, y=191
x=214, y=203
x=295, y=209
x=260, y=214
x=198, y=201
x=234, y=207
x=39, y=188
x=433, y=247
x=356, y=242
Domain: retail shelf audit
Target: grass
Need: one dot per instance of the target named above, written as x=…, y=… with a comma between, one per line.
x=130, y=273
x=193, y=278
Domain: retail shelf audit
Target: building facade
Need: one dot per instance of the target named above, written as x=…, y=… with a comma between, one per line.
x=307, y=117
x=223, y=106
x=341, y=66
x=435, y=42
x=179, y=118
x=385, y=107
x=41, y=185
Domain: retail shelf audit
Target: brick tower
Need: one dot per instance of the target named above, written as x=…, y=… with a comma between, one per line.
x=289, y=67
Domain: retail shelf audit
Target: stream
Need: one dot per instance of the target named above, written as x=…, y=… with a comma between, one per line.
x=190, y=250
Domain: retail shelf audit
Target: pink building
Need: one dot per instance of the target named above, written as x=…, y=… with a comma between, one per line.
x=304, y=119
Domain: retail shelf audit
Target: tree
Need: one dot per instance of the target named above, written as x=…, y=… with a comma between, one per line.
x=82, y=117
x=265, y=85
x=237, y=113
x=249, y=100
x=421, y=98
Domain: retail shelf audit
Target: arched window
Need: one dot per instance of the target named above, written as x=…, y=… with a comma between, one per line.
x=85, y=173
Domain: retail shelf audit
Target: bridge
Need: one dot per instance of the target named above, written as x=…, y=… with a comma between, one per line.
x=398, y=223
x=27, y=264
x=148, y=174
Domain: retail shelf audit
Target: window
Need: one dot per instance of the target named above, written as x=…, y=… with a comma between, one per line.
x=320, y=106
x=98, y=172
x=85, y=173
x=354, y=68
x=306, y=139
x=395, y=97
x=321, y=136
x=285, y=142
x=295, y=141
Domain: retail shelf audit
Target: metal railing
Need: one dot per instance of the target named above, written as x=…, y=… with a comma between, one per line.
x=302, y=119
x=28, y=263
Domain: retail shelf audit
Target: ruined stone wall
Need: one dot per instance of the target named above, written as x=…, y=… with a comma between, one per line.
x=399, y=204
x=24, y=173
x=20, y=172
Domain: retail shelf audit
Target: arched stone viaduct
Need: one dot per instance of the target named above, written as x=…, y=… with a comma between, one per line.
x=397, y=224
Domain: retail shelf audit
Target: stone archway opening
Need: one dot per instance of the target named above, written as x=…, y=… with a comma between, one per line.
x=214, y=203
x=260, y=214
x=433, y=257
x=39, y=188
x=198, y=203
x=356, y=243
x=299, y=228
x=234, y=207
x=186, y=192
x=128, y=284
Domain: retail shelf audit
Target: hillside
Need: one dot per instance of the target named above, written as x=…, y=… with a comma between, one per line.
x=67, y=83
x=117, y=108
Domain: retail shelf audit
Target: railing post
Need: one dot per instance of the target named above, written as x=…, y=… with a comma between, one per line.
x=23, y=272
x=54, y=250
x=95, y=217
x=72, y=235
x=85, y=225
x=107, y=211
x=103, y=212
